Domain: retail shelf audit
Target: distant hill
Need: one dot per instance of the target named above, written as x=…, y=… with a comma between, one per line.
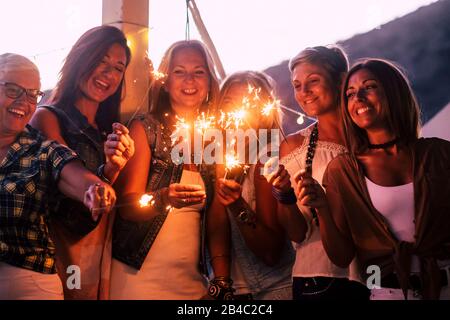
x=419, y=42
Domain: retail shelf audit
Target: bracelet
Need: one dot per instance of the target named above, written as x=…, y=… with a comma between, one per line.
x=247, y=217
x=220, y=288
x=284, y=197
x=100, y=174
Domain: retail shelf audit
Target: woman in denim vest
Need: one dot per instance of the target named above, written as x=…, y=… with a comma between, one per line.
x=85, y=107
x=157, y=249
x=250, y=254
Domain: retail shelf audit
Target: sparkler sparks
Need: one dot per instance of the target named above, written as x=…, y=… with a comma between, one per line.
x=203, y=123
x=158, y=76
x=146, y=200
x=181, y=129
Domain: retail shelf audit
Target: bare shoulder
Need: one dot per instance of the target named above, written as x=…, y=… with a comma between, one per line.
x=137, y=126
x=46, y=121
x=43, y=117
x=292, y=142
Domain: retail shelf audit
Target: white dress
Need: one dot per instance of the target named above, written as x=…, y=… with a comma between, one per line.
x=311, y=259
x=170, y=270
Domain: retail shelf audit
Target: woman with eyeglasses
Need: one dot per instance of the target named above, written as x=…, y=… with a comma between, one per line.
x=387, y=200
x=84, y=115
x=32, y=172
x=157, y=249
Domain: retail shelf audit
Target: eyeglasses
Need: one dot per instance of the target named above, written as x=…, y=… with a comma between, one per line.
x=14, y=91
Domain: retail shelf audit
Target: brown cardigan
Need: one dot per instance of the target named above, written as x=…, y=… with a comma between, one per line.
x=374, y=242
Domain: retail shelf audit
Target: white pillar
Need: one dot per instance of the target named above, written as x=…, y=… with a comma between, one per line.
x=131, y=16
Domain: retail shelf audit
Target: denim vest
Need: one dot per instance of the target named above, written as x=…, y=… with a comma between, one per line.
x=87, y=142
x=262, y=280
x=132, y=240
x=259, y=277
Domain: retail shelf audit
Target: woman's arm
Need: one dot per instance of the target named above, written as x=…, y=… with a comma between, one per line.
x=289, y=215
x=264, y=237
x=78, y=183
x=46, y=121
x=218, y=235
x=336, y=237
x=132, y=183
x=118, y=149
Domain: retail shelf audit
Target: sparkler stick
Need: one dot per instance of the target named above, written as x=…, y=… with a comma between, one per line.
x=146, y=200
x=206, y=38
x=266, y=110
x=202, y=124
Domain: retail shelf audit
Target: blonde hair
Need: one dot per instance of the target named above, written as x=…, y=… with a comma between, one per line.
x=159, y=102
x=332, y=59
x=258, y=80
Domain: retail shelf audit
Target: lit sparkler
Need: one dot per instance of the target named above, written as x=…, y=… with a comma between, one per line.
x=181, y=128
x=146, y=200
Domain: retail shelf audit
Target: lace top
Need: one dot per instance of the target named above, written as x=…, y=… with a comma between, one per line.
x=311, y=258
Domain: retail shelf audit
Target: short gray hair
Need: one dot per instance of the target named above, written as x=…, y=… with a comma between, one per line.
x=15, y=61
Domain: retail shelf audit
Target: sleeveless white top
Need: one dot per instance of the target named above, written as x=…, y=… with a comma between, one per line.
x=311, y=258
x=396, y=204
x=170, y=270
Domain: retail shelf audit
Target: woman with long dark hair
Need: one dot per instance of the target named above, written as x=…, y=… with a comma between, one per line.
x=387, y=198
x=83, y=114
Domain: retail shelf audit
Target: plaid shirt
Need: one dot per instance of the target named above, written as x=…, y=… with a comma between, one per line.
x=28, y=175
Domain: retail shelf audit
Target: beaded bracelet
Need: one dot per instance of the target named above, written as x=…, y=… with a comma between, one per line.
x=284, y=197
x=220, y=288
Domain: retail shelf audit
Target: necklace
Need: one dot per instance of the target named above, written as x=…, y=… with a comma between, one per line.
x=313, y=138
x=383, y=145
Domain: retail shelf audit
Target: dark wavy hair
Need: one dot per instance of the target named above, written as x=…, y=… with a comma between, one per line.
x=159, y=102
x=83, y=58
x=402, y=111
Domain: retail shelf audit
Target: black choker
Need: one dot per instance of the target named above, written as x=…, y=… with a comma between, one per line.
x=383, y=145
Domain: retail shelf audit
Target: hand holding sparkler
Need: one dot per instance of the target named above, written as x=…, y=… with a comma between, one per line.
x=309, y=192
x=228, y=191
x=118, y=149
x=99, y=198
x=277, y=176
x=181, y=195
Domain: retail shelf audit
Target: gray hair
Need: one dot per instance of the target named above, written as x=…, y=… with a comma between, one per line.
x=13, y=61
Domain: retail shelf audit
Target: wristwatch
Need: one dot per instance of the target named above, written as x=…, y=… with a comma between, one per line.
x=247, y=217
x=101, y=175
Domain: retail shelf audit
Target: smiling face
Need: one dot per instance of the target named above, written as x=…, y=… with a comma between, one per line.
x=313, y=89
x=366, y=100
x=107, y=76
x=15, y=113
x=187, y=82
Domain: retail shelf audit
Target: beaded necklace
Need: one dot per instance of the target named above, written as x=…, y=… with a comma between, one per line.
x=314, y=137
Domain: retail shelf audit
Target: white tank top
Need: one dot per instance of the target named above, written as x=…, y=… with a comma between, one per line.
x=396, y=205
